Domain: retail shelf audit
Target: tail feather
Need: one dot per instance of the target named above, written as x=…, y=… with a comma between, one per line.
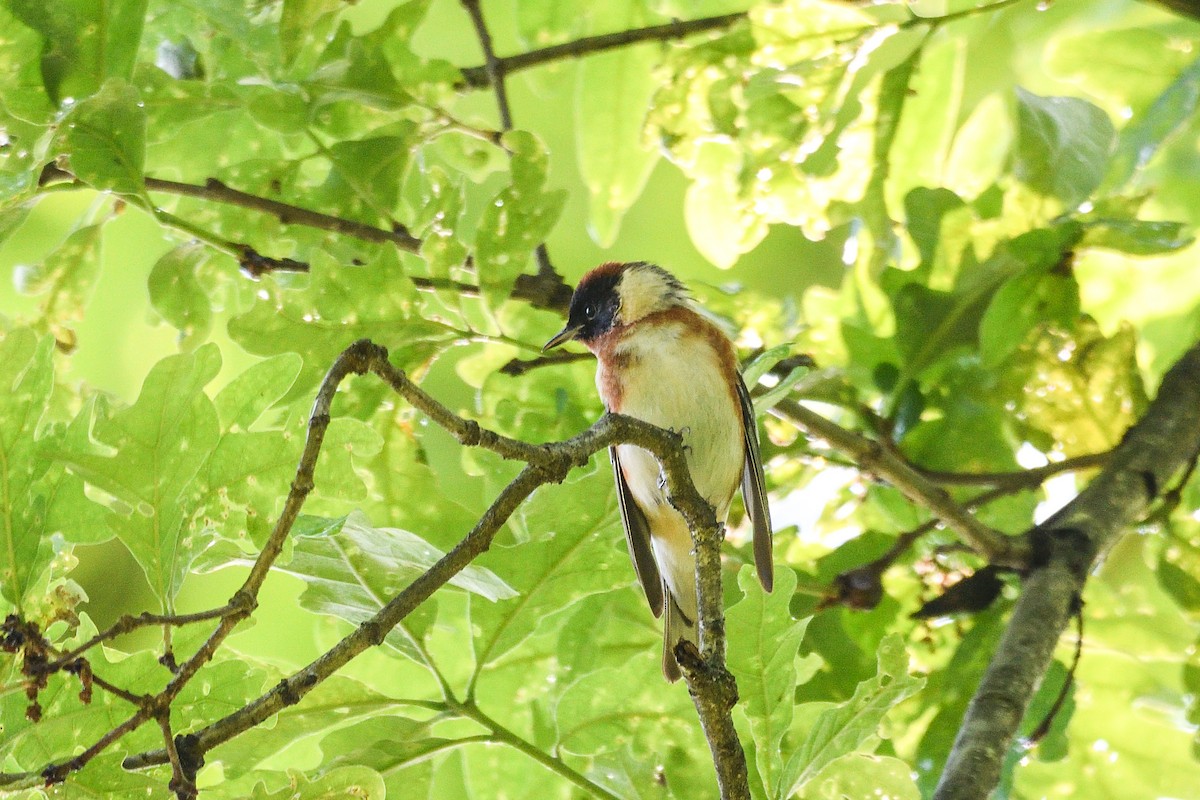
x=676, y=627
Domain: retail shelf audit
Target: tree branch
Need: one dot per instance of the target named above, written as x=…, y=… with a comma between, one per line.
x=129, y=623
x=493, y=71
x=1017, y=479
x=478, y=77
x=1066, y=547
x=494, y=75
x=874, y=458
x=216, y=191
x=861, y=588
x=544, y=290
x=548, y=463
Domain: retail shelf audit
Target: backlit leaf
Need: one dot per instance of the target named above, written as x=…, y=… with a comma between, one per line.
x=85, y=42
x=763, y=645
x=1063, y=146
x=104, y=139
x=353, y=573
x=848, y=726
x=614, y=159
x=147, y=457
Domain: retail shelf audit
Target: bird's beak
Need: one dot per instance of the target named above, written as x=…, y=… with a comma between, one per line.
x=565, y=335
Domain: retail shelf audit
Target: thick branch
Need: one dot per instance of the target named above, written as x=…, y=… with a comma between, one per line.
x=1066, y=547
x=478, y=77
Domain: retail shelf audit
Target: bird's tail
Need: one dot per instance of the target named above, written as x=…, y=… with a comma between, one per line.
x=676, y=627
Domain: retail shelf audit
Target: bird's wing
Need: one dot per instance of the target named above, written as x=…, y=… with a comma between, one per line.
x=754, y=491
x=637, y=536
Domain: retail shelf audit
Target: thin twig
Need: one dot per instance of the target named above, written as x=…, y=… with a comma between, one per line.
x=494, y=72
x=130, y=622
x=1017, y=478
x=182, y=784
x=874, y=458
x=861, y=588
x=216, y=191
x=518, y=366
x=478, y=77
x=57, y=773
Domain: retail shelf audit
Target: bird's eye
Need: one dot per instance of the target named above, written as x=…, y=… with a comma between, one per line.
x=589, y=311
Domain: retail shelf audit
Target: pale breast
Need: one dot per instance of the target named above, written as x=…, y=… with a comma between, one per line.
x=672, y=376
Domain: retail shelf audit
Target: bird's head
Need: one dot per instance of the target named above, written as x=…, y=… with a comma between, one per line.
x=614, y=294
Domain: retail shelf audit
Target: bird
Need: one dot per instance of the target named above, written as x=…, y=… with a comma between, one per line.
x=659, y=360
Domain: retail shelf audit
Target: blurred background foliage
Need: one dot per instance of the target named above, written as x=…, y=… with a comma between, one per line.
x=976, y=219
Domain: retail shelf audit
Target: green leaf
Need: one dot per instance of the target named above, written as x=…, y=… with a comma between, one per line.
x=178, y=296
x=376, y=69
x=337, y=784
x=353, y=572
x=517, y=219
x=84, y=42
x=1177, y=572
x=340, y=305
x=1081, y=388
x=614, y=159
x=67, y=276
x=248, y=396
x=789, y=383
x=931, y=323
x=280, y=110
x=763, y=658
x=764, y=362
x=575, y=552
x=147, y=457
x=719, y=220
x=104, y=139
x=860, y=775
x=26, y=380
x=630, y=777
x=1043, y=294
x=1148, y=131
x=850, y=725
x=303, y=23
x=336, y=702
x=606, y=710
x=1063, y=146
x=397, y=747
x=364, y=177
x=924, y=210
x=1137, y=237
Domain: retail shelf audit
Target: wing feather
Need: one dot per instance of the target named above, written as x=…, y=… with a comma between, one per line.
x=637, y=536
x=754, y=491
